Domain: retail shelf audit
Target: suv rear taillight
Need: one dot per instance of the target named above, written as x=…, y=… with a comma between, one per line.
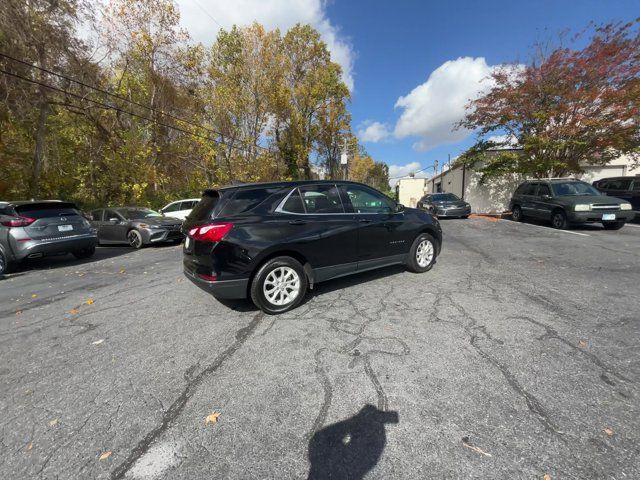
x=18, y=222
x=211, y=232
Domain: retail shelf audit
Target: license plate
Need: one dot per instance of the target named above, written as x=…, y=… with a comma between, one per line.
x=608, y=216
x=187, y=242
x=65, y=228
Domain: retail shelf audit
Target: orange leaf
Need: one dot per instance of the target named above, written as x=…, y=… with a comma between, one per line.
x=74, y=311
x=89, y=301
x=546, y=477
x=582, y=344
x=105, y=455
x=212, y=418
x=608, y=431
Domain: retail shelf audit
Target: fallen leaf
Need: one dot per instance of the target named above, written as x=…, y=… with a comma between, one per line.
x=89, y=301
x=74, y=311
x=105, y=455
x=212, y=418
x=30, y=446
x=97, y=342
x=122, y=271
x=465, y=442
x=546, y=477
x=19, y=312
x=53, y=422
x=582, y=344
x=33, y=295
x=608, y=431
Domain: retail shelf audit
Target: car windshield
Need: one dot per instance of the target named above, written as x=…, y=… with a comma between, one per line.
x=138, y=213
x=574, y=189
x=445, y=197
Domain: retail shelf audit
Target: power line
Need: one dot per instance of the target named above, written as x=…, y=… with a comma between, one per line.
x=207, y=13
x=411, y=173
x=120, y=97
x=118, y=109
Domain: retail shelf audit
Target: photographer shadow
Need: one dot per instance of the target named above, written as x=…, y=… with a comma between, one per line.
x=351, y=448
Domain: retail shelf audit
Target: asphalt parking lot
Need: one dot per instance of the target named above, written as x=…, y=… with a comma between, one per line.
x=515, y=357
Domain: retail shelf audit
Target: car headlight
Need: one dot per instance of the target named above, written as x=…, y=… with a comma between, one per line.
x=582, y=207
x=625, y=206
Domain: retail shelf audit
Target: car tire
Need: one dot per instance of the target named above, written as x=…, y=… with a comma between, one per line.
x=559, y=220
x=134, y=238
x=5, y=265
x=464, y=216
x=613, y=225
x=271, y=292
x=84, y=253
x=516, y=214
x=422, y=255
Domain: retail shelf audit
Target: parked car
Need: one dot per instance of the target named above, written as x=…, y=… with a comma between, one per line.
x=626, y=188
x=180, y=208
x=445, y=205
x=270, y=242
x=567, y=201
x=136, y=226
x=33, y=229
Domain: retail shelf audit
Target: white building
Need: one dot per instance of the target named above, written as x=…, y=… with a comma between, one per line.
x=410, y=190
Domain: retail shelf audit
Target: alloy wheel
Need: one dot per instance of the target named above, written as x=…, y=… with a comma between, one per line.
x=282, y=286
x=135, y=239
x=424, y=253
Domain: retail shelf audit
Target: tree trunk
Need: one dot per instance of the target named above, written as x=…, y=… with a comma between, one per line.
x=39, y=151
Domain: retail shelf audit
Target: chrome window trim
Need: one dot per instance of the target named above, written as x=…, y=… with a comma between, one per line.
x=280, y=209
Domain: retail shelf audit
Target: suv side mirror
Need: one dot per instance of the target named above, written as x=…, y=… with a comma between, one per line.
x=546, y=197
x=399, y=208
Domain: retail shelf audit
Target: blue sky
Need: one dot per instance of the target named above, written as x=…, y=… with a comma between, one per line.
x=440, y=51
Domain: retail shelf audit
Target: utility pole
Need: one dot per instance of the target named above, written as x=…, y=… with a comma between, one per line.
x=344, y=159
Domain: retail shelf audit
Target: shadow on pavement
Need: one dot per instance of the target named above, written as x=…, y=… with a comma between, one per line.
x=351, y=448
x=68, y=260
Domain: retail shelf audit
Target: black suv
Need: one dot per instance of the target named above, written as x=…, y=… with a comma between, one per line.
x=626, y=188
x=565, y=201
x=271, y=241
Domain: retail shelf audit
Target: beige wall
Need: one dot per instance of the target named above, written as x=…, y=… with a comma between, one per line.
x=410, y=190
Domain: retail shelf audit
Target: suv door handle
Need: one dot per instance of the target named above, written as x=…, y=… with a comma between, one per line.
x=297, y=222
x=365, y=220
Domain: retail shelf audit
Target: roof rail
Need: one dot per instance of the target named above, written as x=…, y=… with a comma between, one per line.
x=551, y=178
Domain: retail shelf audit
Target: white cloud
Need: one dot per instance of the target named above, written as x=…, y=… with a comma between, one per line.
x=373, y=132
x=204, y=18
x=431, y=110
x=396, y=171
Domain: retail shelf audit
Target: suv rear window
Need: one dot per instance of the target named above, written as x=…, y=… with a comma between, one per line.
x=247, y=199
x=204, y=209
x=46, y=210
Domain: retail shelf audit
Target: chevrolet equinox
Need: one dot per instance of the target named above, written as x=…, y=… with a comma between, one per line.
x=270, y=242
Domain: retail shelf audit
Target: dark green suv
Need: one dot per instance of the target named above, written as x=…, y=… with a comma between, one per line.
x=564, y=201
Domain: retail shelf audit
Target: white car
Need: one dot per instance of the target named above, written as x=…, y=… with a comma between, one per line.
x=180, y=208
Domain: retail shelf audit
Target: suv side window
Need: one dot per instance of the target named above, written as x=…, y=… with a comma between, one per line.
x=636, y=186
x=321, y=199
x=544, y=189
x=364, y=200
x=188, y=205
x=294, y=203
x=96, y=215
x=521, y=189
x=619, y=184
x=531, y=189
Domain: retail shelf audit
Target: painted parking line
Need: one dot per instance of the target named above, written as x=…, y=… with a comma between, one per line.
x=555, y=229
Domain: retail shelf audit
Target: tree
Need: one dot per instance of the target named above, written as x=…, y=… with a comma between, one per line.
x=364, y=169
x=565, y=110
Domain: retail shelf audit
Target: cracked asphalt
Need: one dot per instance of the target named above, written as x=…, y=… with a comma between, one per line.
x=515, y=357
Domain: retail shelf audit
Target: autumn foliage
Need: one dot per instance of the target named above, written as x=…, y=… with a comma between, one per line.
x=565, y=110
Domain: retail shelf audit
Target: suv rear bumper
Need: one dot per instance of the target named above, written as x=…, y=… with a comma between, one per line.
x=41, y=248
x=224, y=289
x=596, y=217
